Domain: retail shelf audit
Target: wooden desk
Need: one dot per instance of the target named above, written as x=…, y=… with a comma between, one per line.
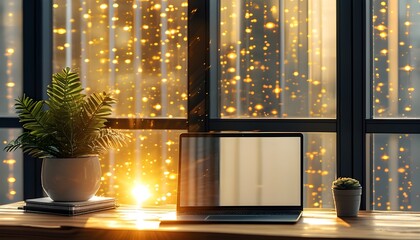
x=128, y=223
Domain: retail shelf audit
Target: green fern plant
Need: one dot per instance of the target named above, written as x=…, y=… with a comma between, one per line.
x=68, y=124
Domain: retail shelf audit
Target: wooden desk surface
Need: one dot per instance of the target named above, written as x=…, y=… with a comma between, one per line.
x=129, y=223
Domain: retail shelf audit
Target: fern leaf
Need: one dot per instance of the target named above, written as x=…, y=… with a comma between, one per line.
x=94, y=112
x=32, y=116
x=107, y=138
x=34, y=146
x=65, y=103
x=65, y=90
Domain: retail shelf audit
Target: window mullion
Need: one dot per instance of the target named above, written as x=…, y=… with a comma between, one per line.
x=359, y=80
x=198, y=65
x=344, y=87
x=351, y=52
x=37, y=29
x=147, y=123
x=274, y=125
x=393, y=126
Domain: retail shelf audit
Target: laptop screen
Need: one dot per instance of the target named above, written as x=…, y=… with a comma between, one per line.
x=240, y=169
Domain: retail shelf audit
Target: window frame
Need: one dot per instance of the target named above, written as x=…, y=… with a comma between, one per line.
x=37, y=67
x=349, y=124
x=36, y=32
x=353, y=124
x=37, y=39
x=374, y=125
x=352, y=90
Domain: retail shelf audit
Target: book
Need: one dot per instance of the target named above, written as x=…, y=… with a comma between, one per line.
x=47, y=205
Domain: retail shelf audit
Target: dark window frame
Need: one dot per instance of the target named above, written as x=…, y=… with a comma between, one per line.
x=37, y=41
x=351, y=78
x=352, y=125
x=37, y=67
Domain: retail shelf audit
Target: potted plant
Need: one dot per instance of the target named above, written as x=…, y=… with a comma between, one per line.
x=347, y=196
x=68, y=132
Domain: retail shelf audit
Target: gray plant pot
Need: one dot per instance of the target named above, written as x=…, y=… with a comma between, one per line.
x=71, y=179
x=347, y=202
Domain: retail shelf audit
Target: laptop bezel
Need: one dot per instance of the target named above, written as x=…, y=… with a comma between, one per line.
x=234, y=209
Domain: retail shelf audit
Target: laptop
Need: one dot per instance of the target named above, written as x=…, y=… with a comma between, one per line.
x=240, y=178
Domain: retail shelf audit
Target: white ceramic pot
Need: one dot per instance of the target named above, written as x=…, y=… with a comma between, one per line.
x=347, y=202
x=71, y=179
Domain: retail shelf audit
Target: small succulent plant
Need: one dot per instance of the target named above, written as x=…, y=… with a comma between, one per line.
x=346, y=183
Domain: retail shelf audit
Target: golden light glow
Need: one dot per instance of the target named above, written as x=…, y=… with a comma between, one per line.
x=230, y=110
x=383, y=34
x=10, y=51
x=232, y=55
x=60, y=31
x=259, y=107
x=158, y=107
x=270, y=25
x=9, y=161
x=277, y=90
x=408, y=68
x=381, y=27
x=146, y=61
x=141, y=193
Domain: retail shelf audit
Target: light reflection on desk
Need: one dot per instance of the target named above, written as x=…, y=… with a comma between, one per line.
x=129, y=222
x=389, y=220
x=133, y=218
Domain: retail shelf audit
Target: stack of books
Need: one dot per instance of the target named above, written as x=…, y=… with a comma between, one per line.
x=47, y=205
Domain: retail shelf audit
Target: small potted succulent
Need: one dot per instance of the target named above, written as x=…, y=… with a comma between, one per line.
x=347, y=196
x=68, y=132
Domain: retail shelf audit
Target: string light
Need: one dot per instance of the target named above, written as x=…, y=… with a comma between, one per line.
x=139, y=48
x=394, y=77
x=11, y=65
x=148, y=51
x=265, y=70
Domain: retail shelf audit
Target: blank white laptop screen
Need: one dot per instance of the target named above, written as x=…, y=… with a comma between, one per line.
x=240, y=171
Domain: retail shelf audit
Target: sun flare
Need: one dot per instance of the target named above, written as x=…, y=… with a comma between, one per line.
x=141, y=193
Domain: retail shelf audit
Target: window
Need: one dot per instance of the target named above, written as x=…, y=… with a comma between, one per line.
x=137, y=50
x=276, y=61
x=395, y=103
x=143, y=59
x=11, y=166
x=342, y=72
x=395, y=170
